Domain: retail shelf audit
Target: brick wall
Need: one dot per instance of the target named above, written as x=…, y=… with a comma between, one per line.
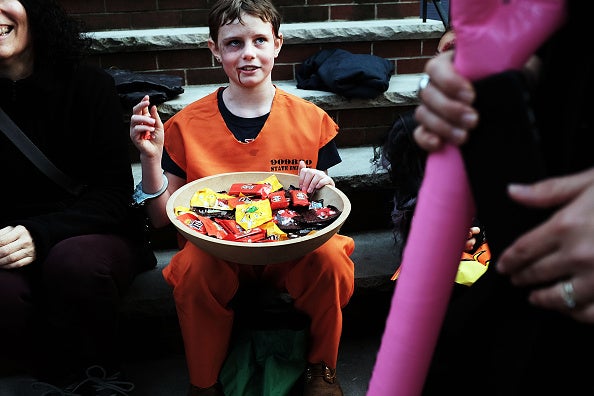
x=363, y=127
x=142, y=14
x=197, y=66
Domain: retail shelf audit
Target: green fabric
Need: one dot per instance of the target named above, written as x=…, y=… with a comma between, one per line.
x=264, y=362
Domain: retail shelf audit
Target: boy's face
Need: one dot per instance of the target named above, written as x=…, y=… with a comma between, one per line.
x=247, y=51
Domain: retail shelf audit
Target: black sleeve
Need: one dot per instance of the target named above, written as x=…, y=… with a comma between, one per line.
x=90, y=143
x=170, y=166
x=328, y=156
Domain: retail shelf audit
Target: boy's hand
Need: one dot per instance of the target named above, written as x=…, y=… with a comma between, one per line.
x=311, y=179
x=146, y=128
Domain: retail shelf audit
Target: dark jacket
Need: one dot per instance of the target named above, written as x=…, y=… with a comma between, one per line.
x=350, y=75
x=76, y=120
x=492, y=337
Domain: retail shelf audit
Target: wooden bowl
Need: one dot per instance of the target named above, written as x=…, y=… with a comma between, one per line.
x=257, y=253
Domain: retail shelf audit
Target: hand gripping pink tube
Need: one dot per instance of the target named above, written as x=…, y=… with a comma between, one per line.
x=491, y=36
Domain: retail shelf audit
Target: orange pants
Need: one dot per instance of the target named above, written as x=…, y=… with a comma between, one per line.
x=321, y=284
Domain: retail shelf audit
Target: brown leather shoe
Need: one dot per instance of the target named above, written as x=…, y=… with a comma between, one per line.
x=320, y=380
x=214, y=390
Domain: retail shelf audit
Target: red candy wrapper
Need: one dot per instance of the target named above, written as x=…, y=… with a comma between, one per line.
x=233, y=202
x=213, y=229
x=250, y=189
x=278, y=200
x=299, y=198
x=238, y=234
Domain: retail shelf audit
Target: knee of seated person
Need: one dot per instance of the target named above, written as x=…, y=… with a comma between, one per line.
x=78, y=261
x=18, y=314
x=331, y=273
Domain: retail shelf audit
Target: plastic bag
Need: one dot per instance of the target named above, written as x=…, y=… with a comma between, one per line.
x=132, y=87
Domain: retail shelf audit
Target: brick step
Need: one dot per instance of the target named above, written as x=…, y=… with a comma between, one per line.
x=183, y=52
x=407, y=42
x=104, y=15
x=363, y=122
x=134, y=40
x=358, y=169
x=402, y=91
x=373, y=117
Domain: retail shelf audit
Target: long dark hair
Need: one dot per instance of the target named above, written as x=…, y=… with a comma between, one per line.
x=405, y=163
x=58, y=38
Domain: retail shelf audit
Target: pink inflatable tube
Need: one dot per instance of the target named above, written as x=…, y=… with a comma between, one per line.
x=491, y=36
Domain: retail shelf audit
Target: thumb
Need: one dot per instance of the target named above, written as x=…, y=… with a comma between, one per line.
x=301, y=165
x=301, y=177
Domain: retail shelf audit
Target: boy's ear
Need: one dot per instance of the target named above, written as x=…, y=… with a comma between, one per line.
x=278, y=43
x=213, y=47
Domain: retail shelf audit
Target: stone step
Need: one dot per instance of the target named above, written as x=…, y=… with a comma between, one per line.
x=183, y=52
x=402, y=91
x=135, y=40
x=358, y=168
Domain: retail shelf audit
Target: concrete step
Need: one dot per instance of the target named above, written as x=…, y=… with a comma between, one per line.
x=359, y=165
x=402, y=91
x=137, y=40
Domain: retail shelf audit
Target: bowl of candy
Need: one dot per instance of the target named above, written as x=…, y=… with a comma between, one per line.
x=256, y=218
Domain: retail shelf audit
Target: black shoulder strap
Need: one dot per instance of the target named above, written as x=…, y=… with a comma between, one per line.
x=23, y=143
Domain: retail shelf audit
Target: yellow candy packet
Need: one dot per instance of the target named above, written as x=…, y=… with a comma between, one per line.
x=273, y=181
x=208, y=198
x=178, y=210
x=272, y=230
x=253, y=214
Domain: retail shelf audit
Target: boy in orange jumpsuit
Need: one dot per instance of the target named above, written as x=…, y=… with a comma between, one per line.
x=249, y=125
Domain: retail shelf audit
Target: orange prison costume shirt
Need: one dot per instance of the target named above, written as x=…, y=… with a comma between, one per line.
x=321, y=283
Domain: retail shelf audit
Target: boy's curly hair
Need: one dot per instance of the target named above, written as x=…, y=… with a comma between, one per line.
x=59, y=40
x=226, y=11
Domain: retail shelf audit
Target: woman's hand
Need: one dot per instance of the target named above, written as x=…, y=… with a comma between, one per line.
x=556, y=258
x=445, y=112
x=16, y=247
x=311, y=179
x=146, y=129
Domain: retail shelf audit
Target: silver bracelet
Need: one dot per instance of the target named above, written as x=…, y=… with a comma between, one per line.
x=139, y=197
